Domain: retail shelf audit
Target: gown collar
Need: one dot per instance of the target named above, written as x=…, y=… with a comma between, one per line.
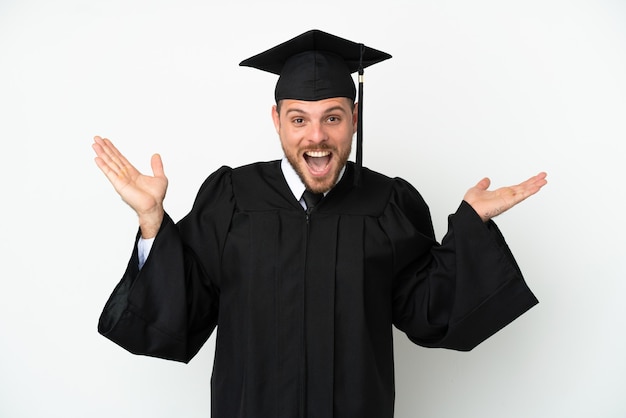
x=293, y=180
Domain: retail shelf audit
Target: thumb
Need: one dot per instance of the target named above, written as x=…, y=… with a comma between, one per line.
x=483, y=184
x=157, y=166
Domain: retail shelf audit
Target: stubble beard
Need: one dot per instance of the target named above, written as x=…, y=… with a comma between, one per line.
x=322, y=185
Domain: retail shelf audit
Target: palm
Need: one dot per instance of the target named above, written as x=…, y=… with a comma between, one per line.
x=145, y=194
x=492, y=203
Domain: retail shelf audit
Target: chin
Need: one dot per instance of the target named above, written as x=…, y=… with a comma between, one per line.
x=312, y=183
x=318, y=188
x=320, y=185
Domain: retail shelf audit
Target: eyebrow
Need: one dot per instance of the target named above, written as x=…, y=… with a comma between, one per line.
x=325, y=112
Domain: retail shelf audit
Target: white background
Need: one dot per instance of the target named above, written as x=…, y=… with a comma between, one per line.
x=483, y=88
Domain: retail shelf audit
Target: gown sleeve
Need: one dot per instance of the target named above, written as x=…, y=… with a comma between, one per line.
x=458, y=293
x=169, y=308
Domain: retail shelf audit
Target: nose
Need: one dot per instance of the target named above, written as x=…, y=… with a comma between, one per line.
x=317, y=133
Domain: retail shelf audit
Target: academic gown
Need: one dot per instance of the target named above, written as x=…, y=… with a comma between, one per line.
x=304, y=305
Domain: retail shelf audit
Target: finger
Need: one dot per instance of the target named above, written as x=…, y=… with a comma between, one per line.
x=102, y=165
x=116, y=155
x=104, y=147
x=157, y=166
x=105, y=167
x=116, y=159
x=483, y=184
x=527, y=188
x=104, y=159
x=535, y=183
x=540, y=179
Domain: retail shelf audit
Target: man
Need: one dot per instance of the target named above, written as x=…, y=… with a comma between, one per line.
x=304, y=300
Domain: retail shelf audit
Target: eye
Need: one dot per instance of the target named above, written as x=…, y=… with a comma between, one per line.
x=333, y=119
x=297, y=121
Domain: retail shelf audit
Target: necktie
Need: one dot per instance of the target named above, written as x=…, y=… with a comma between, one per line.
x=311, y=199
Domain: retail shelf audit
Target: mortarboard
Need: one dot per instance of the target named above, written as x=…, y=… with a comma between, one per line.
x=317, y=65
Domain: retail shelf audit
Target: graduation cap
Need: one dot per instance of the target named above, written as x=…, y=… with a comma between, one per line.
x=316, y=66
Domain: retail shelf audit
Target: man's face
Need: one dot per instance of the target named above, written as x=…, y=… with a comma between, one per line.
x=316, y=138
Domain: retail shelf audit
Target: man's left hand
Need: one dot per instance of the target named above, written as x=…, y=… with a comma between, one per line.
x=492, y=203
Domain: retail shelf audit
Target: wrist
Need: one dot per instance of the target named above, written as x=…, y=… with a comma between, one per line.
x=150, y=223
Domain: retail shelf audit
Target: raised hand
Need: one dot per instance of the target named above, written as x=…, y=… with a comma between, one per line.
x=145, y=194
x=492, y=203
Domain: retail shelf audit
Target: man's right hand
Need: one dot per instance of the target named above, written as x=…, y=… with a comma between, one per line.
x=145, y=194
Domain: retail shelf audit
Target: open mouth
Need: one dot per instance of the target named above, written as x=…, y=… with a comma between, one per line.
x=317, y=161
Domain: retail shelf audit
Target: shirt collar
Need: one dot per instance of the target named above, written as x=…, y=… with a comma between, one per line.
x=293, y=180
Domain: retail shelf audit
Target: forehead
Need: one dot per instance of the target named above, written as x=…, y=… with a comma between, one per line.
x=318, y=106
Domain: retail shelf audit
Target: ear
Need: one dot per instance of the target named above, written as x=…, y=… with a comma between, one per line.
x=276, y=118
x=355, y=116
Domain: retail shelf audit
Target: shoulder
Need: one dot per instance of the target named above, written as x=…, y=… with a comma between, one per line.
x=248, y=175
x=374, y=194
x=241, y=188
x=218, y=179
x=258, y=170
x=403, y=203
x=261, y=186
